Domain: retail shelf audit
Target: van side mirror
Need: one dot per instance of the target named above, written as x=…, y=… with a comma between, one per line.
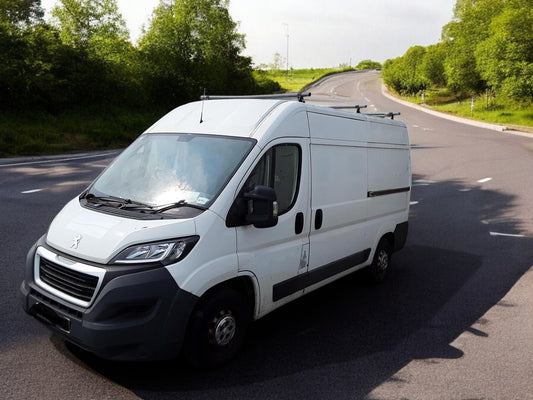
x=261, y=207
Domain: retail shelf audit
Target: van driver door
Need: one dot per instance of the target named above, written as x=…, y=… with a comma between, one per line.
x=277, y=255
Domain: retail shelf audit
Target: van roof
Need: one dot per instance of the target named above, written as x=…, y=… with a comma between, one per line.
x=237, y=117
x=241, y=117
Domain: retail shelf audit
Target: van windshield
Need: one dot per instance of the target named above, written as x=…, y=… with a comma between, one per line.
x=162, y=169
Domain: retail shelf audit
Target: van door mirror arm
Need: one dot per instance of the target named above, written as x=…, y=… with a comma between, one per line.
x=259, y=208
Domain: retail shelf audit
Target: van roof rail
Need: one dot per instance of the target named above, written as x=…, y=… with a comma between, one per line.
x=300, y=96
x=347, y=107
x=390, y=115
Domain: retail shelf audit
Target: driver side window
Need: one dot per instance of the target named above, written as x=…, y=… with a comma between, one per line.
x=279, y=169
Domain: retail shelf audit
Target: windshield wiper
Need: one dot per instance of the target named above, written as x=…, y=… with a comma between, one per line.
x=104, y=200
x=181, y=203
x=118, y=202
x=136, y=205
x=128, y=204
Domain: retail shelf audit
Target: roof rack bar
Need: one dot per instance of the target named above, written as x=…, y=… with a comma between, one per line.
x=390, y=115
x=300, y=96
x=357, y=106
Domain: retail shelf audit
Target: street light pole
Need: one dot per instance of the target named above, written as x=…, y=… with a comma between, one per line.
x=287, y=26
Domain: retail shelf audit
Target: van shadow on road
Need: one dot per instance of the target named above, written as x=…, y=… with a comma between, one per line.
x=344, y=340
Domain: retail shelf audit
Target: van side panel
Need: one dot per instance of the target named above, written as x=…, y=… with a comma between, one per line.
x=388, y=180
x=360, y=190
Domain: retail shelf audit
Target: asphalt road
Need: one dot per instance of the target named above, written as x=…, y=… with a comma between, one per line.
x=454, y=321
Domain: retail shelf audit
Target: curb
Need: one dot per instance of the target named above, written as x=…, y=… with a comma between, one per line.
x=479, y=124
x=25, y=160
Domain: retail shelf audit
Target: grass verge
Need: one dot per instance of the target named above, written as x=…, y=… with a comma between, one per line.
x=486, y=109
x=24, y=134
x=297, y=79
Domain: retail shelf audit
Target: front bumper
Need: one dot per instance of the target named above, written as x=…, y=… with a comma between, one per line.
x=138, y=314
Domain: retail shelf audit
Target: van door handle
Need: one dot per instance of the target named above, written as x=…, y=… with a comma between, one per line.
x=318, y=219
x=299, y=223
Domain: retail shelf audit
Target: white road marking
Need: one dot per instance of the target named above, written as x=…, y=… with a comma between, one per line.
x=507, y=234
x=413, y=203
x=31, y=191
x=484, y=180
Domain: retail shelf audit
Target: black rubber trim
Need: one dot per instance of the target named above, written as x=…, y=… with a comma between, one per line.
x=302, y=281
x=299, y=223
x=400, y=235
x=388, y=191
x=319, y=216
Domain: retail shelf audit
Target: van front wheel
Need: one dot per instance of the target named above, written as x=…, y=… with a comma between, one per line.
x=217, y=328
x=377, y=271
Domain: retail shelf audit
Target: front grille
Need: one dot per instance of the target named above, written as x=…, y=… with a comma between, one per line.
x=73, y=283
x=54, y=304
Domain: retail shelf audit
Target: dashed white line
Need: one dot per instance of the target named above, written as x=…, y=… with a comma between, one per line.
x=507, y=234
x=31, y=191
x=484, y=180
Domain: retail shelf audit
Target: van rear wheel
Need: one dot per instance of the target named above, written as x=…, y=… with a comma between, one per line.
x=378, y=270
x=217, y=328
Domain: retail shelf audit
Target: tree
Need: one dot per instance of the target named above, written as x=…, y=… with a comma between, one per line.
x=405, y=73
x=462, y=35
x=96, y=32
x=191, y=45
x=368, y=64
x=18, y=65
x=21, y=13
x=94, y=26
x=432, y=67
x=505, y=58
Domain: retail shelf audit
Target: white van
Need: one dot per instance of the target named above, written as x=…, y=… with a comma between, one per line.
x=219, y=213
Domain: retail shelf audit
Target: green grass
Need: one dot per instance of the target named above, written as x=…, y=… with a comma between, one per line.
x=297, y=79
x=80, y=130
x=491, y=110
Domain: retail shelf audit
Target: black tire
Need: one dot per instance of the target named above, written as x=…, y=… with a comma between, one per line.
x=379, y=269
x=217, y=328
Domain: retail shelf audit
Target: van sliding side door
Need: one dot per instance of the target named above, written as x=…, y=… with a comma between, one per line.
x=338, y=238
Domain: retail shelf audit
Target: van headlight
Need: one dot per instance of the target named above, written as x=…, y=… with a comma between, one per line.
x=165, y=252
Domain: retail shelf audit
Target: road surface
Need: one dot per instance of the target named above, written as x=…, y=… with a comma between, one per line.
x=454, y=321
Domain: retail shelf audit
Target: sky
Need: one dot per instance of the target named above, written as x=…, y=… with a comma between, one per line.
x=320, y=33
